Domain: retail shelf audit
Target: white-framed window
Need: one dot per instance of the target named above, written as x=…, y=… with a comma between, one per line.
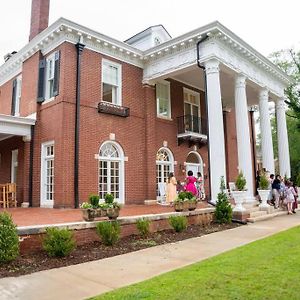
x=18, y=95
x=111, y=171
x=49, y=76
x=111, y=82
x=164, y=165
x=192, y=110
x=163, y=99
x=47, y=174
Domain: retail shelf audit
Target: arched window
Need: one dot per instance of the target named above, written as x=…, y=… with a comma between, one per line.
x=164, y=165
x=194, y=163
x=111, y=170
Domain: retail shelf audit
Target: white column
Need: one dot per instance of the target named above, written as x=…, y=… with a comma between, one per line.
x=265, y=131
x=283, y=142
x=215, y=126
x=242, y=132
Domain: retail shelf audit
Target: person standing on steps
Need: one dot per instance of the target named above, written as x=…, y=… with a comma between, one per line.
x=171, y=189
x=190, y=183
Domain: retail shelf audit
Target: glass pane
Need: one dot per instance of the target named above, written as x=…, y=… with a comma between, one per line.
x=107, y=93
x=110, y=74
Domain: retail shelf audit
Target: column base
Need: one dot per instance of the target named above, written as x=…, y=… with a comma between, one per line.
x=241, y=215
x=25, y=204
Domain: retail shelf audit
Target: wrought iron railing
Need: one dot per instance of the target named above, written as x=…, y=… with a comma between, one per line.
x=191, y=124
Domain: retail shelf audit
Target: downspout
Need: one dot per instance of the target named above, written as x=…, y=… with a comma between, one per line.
x=79, y=46
x=30, y=179
x=253, y=147
x=206, y=109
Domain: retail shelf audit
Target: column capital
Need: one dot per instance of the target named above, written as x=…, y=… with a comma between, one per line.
x=212, y=66
x=280, y=104
x=26, y=138
x=264, y=95
x=240, y=80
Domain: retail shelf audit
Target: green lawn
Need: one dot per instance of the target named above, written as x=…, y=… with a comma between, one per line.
x=265, y=269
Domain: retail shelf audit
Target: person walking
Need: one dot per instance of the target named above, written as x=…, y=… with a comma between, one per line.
x=290, y=196
x=171, y=189
x=276, y=190
x=190, y=183
x=199, y=186
x=295, y=203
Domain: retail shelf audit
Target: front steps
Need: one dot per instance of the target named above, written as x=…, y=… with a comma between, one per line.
x=257, y=215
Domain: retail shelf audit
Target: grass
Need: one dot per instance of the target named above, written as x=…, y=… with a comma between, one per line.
x=265, y=269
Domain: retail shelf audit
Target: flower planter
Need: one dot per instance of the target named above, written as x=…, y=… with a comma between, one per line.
x=88, y=214
x=178, y=206
x=113, y=213
x=192, y=205
x=264, y=194
x=186, y=205
x=239, y=198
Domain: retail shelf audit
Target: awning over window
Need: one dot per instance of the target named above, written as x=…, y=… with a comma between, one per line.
x=19, y=126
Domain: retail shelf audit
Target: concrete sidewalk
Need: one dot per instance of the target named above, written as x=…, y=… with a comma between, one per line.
x=92, y=278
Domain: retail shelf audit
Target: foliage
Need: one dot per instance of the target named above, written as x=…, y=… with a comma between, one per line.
x=94, y=200
x=86, y=205
x=240, y=182
x=179, y=223
x=263, y=182
x=109, y=198
x=59, y=242
x=297, y=181
x=9, y=241
x=143, y=226
x=289, y=61
x=220, y=277
x=223, y=211
x=109, y=232
x=117, y=205
x=185, y=195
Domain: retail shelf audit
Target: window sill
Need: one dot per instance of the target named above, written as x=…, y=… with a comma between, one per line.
x=164, y=118
x=48, y=100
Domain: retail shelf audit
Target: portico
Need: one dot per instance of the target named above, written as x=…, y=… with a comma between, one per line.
x=236, y=77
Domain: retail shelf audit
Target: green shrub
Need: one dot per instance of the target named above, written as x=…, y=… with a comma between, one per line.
x=94, y=200
x=109, y=198
x=223, y=211
x=9, y=241
x=179, y=223
x=240, y=182
x=143, y=226
x=298, y=180
x=109, y=232
x=181, y=196
x=263, y=182
x=58, y=242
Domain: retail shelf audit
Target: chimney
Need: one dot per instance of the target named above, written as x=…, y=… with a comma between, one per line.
x=39, y=17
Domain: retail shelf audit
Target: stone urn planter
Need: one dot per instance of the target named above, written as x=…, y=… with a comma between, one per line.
x=264, y=194
x=186, y=204
x=178, y=206
x=88, y=214
x=112, y=212
x=239, y=198
x=192, y=205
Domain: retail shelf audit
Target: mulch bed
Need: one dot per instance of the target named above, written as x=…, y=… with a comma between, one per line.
x=26, y=264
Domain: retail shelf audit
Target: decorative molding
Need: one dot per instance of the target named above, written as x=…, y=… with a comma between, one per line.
x=240, y=81
x=280, y=104
x=264, y=95
x=212, y=66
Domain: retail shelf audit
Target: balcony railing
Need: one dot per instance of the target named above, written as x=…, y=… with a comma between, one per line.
x=192, y=129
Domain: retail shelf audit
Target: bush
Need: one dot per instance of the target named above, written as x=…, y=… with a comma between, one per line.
x=240, y=182
x=109, y=232
x=9, y=241
x=109, y=198
x=179, y=223
x=94, y=200
x=298, y=180
x=58, y=242
x=263, y=182
x=143, y=226
x=223, y=211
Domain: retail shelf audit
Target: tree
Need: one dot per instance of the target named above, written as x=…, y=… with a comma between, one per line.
x=289, y=61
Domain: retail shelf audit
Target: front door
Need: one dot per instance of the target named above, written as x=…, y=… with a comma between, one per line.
x=195, y=168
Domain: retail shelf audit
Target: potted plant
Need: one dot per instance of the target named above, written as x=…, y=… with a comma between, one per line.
x=88, y=213
x=239, y=194
x=113, y=210
x=179, y=201
x=264, y=191
x=94, y=201
x=192, y=203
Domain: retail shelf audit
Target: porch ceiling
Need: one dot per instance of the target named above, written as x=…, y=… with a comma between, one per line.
x=12, y=125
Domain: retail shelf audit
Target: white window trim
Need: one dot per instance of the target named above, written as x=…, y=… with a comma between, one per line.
x=47, y=85
x=194, y=93
x=14, y=163
x=43, y=201
x=121, y=160
x=119, y=87
x=169, y=117
x=18, y=96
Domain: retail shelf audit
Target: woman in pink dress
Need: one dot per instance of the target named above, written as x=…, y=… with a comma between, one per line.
x=190, y=183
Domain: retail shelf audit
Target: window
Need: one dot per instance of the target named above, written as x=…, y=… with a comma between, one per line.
x=47, y=175
x=16, y=96
x=48, y=86
x=111, y=82
x=163, y=100
x=111, y=171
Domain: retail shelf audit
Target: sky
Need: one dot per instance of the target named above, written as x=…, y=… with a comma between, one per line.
x=266, y=25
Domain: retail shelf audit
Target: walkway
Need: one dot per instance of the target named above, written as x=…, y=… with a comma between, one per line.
x=89, y=279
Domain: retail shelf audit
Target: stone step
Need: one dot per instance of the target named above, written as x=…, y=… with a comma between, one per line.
x=259, y=213
x=253, y=209
x=266, y=216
